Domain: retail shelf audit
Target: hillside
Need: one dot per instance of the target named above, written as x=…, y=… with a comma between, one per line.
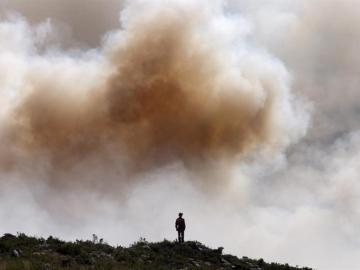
x=24, y=252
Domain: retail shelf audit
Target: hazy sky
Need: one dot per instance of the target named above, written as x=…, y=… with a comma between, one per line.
x=243, y=114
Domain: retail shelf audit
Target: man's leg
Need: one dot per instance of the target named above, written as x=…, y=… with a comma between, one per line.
x=179, y=236
x=182, y=236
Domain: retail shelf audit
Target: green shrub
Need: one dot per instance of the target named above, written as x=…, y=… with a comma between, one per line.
x=71, y=249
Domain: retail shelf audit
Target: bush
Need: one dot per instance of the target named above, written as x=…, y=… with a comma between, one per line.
x=70, y=249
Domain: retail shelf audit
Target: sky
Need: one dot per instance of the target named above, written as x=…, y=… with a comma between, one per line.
x=242, y=114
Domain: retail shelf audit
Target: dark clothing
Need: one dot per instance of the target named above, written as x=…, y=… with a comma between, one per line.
x=180, y=224
x=181, y=236
x=180, y=227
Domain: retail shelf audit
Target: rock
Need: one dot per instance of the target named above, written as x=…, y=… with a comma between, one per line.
x=39, y=253
x=199, y=246
x=146, y=247
x=15, y=253
x=225, y=262
x=194, y=262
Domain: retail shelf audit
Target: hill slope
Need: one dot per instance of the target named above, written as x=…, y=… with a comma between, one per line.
x=24, y=252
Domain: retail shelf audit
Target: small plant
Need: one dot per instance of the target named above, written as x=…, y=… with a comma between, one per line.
x=94, y=238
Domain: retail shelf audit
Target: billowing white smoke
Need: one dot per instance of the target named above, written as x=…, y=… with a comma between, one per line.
x=98, y=129
x=319, y=187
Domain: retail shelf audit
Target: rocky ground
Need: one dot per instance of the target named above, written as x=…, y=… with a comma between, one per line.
x=24, y=252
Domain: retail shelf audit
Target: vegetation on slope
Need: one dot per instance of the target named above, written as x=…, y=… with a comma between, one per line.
x=24, y=252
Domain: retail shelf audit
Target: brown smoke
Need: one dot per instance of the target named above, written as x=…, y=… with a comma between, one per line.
x=163, y=89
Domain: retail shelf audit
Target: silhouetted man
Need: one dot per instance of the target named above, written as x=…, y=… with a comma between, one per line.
x=180, y=227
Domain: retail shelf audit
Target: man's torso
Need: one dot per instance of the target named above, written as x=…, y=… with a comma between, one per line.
x=180, y=224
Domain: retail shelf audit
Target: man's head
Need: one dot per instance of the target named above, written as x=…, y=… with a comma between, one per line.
x=180, y=214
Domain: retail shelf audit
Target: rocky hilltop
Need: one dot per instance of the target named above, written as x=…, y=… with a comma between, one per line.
x=24, y=252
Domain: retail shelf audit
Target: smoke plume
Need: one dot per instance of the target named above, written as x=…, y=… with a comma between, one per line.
x=171, y=85
x=111, y=126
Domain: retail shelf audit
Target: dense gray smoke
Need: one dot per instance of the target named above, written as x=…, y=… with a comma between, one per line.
x=75, y=22
x=112, y=126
